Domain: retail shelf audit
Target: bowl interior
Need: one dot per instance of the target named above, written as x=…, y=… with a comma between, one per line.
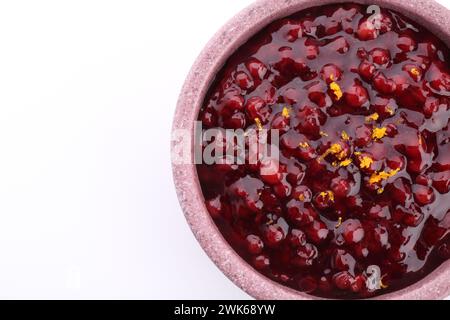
x=235, y=33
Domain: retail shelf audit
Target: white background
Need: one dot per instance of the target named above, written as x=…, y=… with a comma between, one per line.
x=87, y=94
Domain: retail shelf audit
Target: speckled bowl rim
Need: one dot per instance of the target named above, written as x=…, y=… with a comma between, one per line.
x=231, y=36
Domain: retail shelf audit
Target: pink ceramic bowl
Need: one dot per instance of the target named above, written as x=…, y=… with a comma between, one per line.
x=236, y=32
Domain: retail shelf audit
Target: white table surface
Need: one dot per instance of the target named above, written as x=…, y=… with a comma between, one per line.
x=87, y=204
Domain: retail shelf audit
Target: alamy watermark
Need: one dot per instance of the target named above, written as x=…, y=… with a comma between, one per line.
x=225, y=146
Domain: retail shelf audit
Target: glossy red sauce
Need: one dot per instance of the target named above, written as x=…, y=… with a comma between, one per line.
x=364, y=169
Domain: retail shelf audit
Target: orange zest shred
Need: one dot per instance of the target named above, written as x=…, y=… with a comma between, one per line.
x=380, y=191
x=336, y=89
x=334, y=149
x=344, y=136
x=342, y=155
x=378, y=133
x=258, y=124
x=303, y=145
x=346, y=162
x=373, y=117
x=415, y=71
x=328, y=194
x=365, y=162
x=301, y=197
x=339, y=223
x=390, y=110
x=383, y=175
x=286, y=112
x=421, y=142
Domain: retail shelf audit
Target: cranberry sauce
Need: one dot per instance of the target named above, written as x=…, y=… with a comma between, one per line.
x=362, y=106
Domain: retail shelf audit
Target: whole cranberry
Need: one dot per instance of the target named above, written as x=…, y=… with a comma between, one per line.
x=391, y=130
x=317, y=95
x=432, y=232
x=411, y=216
x=261, y=262
x=256, y=68
x=416, y=166
x=300, y=213
x=356, y=95
x=444, y=251
x=302, y=193
x=438, y=79
x=423, y=180
x=352, y=231
x=323, y=200
x=396, y=162
x=340, y=45
x=379, y=238
x=379, y=211
x=380, y=56
x=400, y=191
x=274, y=235
x=363, y=135
x=343, y=280
x=307, y=153
x=358, y=284
x=366, y=31
x=340, y=186
x=423, y=194
x=445, y=221
x=330, y=72
x=214, y=206
x=414, y=144
x=317, y=231
x=361, y=249
x=362, y=53
x=316, y=167
x=412, y=97
x=307, y=284
x=270, y=171
x=395, y=254
x=311, y=50
x=332, y=27
x=383, y=84
x=232, y=103
x=209, y=117
x=385, y=23
x=256, y=107
x=431, y=106
x=310, y=119
x=305, y=255
x=441, y=181
x=297, y=238
x=235, y=121
x=282, y=190
x=281, y=123
x=366, y=70
x=254, y=244
x=243, y=80
x=406, y=43
x=294, y=32
x=324, y=284
x=343, y=261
